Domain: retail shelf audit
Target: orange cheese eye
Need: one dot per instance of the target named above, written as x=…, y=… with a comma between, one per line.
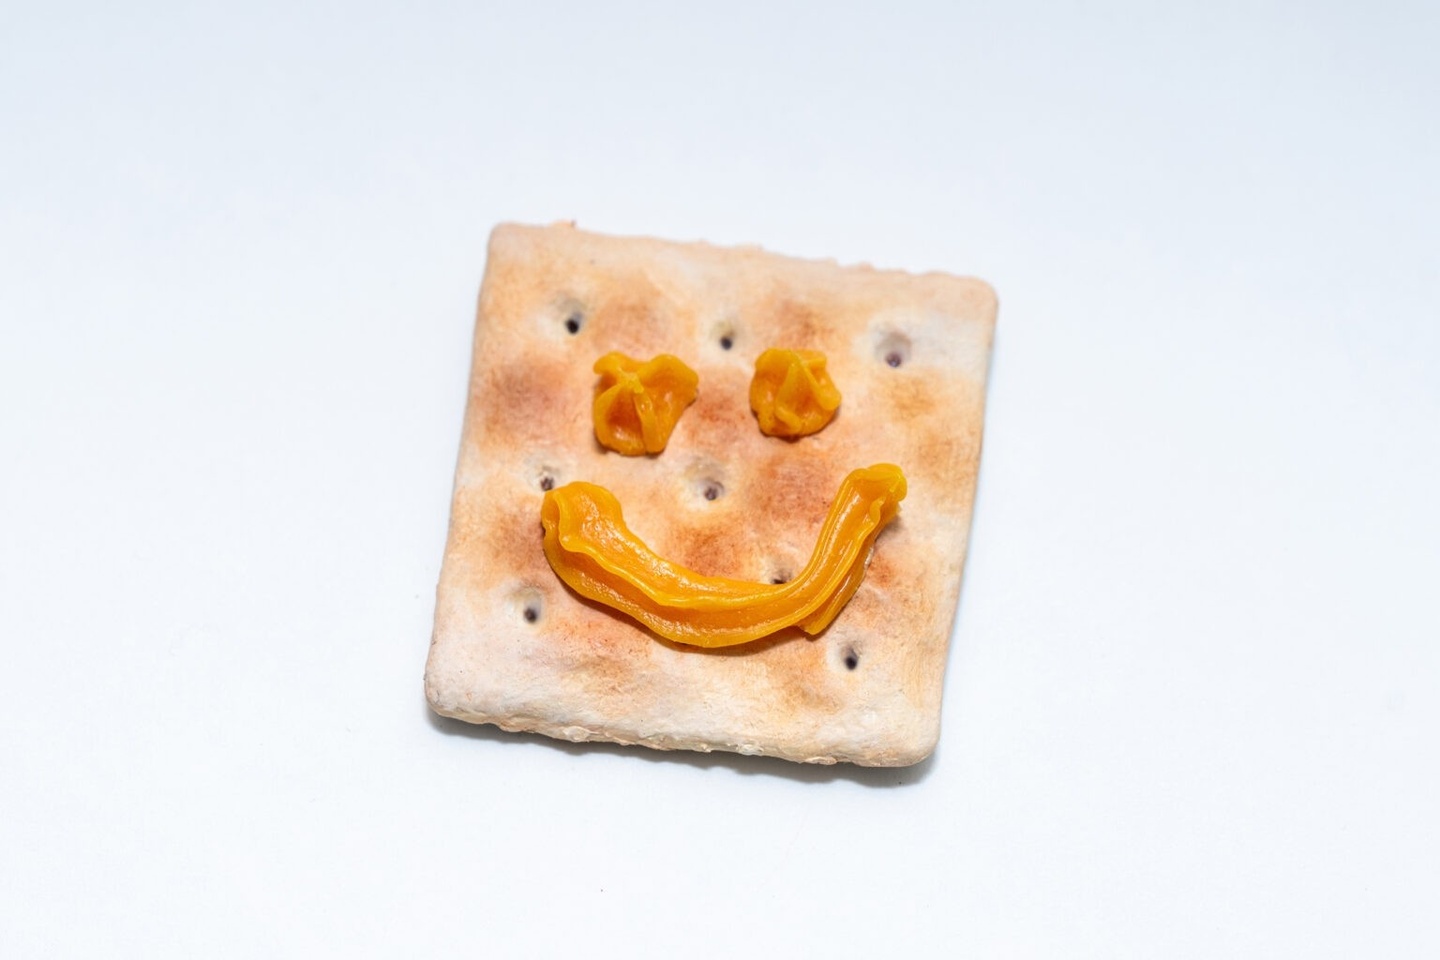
x=638, y=404
x=791, y=393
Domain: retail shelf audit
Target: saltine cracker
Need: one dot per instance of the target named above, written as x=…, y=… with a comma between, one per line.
x=910, y=354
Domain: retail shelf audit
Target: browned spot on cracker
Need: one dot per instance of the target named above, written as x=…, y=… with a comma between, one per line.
x=796, y=323
x=798, y=489
x=910, y=397
x=721, y=412
x=797, y=682
x=711, y=549
x=633, y=322
x=533, y=399
x=516, y=534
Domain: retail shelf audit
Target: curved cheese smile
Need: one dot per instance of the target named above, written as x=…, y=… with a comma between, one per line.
x=595, y=553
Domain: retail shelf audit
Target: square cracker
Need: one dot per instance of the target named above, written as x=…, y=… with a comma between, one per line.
x=513, y=646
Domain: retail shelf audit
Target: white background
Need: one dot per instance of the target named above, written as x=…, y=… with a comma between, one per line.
x=1191, y=705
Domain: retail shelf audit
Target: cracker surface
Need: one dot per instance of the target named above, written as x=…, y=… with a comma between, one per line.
x=513, y=646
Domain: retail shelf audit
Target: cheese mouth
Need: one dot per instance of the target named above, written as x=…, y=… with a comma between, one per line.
x=591, y=549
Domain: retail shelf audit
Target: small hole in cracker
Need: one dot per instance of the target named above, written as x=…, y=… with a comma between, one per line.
x=528, y=604
x=852, y=659
x=543, y=475
x=704, y=482
x=573, y=323
x=893, y=350
x=723, y=333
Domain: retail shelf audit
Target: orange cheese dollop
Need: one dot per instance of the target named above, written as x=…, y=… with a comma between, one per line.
x=637, y=404
x=791, y=393
x=592, y=550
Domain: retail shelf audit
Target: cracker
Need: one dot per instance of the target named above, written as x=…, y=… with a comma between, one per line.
x=910, y=353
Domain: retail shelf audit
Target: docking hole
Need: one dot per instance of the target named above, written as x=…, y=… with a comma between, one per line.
x=723, y=333
x=528, y=604
x=544, y=475
x=852, y=659
x=893, y=350
x=703, y=483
